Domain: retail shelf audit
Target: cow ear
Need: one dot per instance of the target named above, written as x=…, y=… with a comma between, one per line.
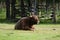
x=30, y=16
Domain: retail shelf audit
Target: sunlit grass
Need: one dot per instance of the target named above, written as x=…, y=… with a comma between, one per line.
x=41, y=32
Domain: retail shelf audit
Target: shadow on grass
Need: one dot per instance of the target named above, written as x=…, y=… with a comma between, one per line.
x=7, y=21
x=13, y=21
x=56, y=36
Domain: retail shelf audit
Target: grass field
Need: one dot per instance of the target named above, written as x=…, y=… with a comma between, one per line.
x=41, y=32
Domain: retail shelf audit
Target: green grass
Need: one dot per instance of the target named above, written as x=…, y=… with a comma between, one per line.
x=2, y=13
x=41, y=32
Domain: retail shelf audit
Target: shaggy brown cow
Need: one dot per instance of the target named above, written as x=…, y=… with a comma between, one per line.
x=26, y=23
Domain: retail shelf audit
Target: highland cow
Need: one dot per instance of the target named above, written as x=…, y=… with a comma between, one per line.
x=26, y=23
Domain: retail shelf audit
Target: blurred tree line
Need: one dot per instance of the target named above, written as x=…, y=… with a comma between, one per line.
x=46, y=10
